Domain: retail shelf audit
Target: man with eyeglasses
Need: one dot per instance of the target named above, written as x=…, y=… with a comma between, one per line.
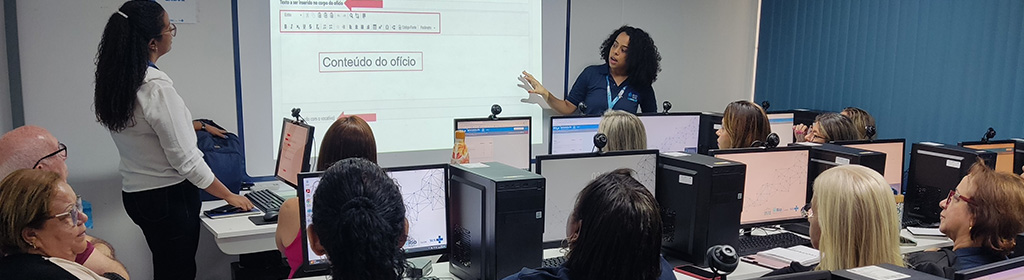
x=34, y=147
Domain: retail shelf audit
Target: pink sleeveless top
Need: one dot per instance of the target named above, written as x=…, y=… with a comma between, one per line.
x=294, y=254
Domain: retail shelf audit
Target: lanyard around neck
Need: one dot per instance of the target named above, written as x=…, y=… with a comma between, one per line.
x=608, y=87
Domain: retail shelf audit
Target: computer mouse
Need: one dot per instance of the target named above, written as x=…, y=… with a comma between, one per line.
x=270, y=216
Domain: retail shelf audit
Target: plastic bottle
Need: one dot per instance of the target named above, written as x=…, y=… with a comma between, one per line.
x=460, y=153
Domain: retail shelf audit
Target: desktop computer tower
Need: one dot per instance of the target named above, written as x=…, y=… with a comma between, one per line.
x=701, y=200
x=495, y=220
x=707, y=139
x=935, y=169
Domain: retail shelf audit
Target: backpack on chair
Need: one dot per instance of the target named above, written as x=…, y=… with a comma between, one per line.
x=225, y=158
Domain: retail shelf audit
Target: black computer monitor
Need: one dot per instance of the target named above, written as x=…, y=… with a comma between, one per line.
x=572, y=134
x=826, y=156
x=782, y=124
x=894, y=153
x=776, y=186
x=1007, y=159
x=505, y=140
x=567, y=175
x=423, y=191
x=672, y=132
x=293, y=152
x=710, y=123
x=1001, y=270
x=935, y=169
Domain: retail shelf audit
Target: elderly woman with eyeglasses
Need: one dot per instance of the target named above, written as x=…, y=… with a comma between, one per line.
x=42, y=228
x=982, y=216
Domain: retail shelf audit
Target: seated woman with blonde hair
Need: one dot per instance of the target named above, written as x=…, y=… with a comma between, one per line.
x=625, y=131
x=853, y=221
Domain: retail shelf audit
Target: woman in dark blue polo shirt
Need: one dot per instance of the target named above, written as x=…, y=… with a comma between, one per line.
x=622, y=83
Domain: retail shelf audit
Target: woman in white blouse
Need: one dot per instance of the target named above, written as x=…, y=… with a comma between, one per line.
x=161, y=166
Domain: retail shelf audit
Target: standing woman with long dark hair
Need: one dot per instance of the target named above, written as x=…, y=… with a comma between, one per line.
x=161, y=166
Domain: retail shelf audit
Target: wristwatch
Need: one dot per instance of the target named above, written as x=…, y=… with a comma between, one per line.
x=203, y=127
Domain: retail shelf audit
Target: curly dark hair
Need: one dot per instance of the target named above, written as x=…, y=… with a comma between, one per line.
x=121, y=61
x=643, y=59
x=359, y=218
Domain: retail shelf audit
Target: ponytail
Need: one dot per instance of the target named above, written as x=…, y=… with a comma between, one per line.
x=121, y=61
x=363, y=223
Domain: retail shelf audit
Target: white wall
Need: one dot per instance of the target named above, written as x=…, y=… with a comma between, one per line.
x=707, y=48
x=58, y=41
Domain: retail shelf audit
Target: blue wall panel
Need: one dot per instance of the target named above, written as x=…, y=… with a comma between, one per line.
x=933, y=70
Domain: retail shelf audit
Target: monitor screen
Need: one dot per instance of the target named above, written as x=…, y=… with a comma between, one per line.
x=672, y=133
x=570, y=135
x=566, y=175
x=423, y=191
x=309, y=185
x=782, y=124
x=293, y=153
x=776, y=184
x=893, y=160
x=1004, y=154
x=504, y=140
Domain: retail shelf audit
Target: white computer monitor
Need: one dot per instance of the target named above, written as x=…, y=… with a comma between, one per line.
x=423, y=192
x=572, y=134
x=782, y=124
x=776, y=183
x=294, y=152
x=894, y=152
x=566, y=175
x=505, y=140
x=673, y=132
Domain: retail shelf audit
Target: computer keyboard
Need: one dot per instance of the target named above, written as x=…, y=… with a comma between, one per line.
x=553, y=262
x=751, y=244
x=265, y=200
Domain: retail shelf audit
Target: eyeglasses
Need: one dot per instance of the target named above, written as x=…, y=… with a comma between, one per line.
x=173, y=30
x=806, y=211
x=955, y=194
x=62, y=152
x=73, y=212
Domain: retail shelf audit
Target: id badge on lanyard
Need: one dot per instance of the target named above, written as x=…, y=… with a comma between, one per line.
x=608, y=87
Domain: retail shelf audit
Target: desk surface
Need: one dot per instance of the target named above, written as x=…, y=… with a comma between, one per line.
x=749, y=271
x=238, y=235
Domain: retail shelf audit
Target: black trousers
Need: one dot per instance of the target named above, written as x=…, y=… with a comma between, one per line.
x=169, y=218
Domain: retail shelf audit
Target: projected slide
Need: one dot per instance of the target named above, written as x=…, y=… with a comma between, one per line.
x=407, y=67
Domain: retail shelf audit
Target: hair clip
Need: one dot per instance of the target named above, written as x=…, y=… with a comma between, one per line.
x=122, y=14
